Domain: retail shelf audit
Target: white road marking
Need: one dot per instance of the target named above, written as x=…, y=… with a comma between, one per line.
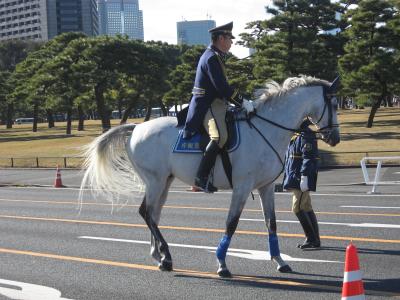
x=242, y=253
x=362, y=225
x=333, y=194
x=27, y=291
x=383, y=207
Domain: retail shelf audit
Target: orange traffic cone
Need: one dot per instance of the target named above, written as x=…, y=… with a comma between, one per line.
x=58, y=182
x=352, y=282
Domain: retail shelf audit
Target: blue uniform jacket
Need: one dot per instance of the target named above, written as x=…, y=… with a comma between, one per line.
x=210, y=83
x=301, y=159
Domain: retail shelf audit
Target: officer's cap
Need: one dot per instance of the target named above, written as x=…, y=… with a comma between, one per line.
x=222, y=30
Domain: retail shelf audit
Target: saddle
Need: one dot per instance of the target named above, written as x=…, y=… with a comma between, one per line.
x=198, y=142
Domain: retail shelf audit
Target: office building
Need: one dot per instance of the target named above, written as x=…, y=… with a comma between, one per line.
x=72, y=15
x=23, y=19
x=194, y=32
x=44, y=19
x=121, y=17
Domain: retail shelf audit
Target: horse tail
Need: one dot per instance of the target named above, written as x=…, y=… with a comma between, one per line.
x=109, y=171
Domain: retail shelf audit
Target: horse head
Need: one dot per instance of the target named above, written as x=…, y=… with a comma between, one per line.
x=326, y=122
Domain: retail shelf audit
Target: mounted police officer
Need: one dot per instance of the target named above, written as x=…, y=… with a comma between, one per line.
x=210, y=100
x=300, y=177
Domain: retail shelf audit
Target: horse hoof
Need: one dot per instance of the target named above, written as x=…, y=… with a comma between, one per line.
x=224, y=273
x=285, y=269
x=165, y=266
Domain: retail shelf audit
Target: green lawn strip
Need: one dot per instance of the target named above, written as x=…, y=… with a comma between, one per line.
x=355, y=137
x=21, y=143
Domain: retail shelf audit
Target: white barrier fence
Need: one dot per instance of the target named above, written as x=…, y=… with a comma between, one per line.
x=377, y=178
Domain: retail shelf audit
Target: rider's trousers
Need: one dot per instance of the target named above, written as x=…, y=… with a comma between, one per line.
x=301, y=201
x=214, y=122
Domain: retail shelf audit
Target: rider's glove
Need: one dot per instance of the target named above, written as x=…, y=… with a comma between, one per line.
x=248, y=106
x=304, y=183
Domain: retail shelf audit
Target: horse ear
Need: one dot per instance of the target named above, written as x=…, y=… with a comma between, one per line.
x=334, y=85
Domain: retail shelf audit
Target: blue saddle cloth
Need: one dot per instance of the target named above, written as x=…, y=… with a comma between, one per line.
x=193, y=145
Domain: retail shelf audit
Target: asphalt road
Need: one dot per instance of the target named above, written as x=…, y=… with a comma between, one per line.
x=51, y=250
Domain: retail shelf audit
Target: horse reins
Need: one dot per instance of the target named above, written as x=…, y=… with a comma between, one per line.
x=327, y=100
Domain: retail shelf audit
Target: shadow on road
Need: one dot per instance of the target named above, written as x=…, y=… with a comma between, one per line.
x=387, y=287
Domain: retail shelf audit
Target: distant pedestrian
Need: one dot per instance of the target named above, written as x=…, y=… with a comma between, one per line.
x=300, y=177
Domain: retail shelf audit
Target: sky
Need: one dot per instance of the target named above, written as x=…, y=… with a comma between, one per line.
x=160, y=17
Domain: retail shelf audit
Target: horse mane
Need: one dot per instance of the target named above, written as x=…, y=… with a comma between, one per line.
x=273, y=89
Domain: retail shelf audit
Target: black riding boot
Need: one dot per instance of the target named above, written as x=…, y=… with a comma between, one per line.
x=206, y=164
x=311, y=241
x=314, y=223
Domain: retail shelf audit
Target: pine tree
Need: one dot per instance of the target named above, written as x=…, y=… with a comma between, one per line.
x=370, y=66
x=296, y=40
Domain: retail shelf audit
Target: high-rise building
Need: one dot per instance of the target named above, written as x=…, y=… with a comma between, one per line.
x=194, y=32
x=72, y=15
x=44, y=19
x=121, y=17
x=23, y=19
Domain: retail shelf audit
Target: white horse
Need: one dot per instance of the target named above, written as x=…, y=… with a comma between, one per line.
x=256, y=163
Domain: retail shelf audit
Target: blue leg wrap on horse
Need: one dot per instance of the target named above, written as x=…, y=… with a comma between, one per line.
x=223, y=247
x=273, y=244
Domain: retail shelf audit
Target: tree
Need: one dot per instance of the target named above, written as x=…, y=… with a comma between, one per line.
x=296, y=40
x=30, y=82
x=240, y=74
x=394, y=25
x=370, y=66
x=64, y=84
x=11, y=53
x=181, y=79
x=126, y=95
x=156, y=82
x=5, y=88
x=106, y=61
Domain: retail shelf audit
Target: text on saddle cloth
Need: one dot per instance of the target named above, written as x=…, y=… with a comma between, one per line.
x=194, y=144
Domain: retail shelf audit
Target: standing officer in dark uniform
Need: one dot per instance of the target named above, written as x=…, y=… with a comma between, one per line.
x=209, y=103
x=300, y=177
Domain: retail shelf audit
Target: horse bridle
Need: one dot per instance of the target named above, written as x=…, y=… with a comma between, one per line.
x=328, y=104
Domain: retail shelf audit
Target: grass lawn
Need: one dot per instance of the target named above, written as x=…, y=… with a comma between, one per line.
x=383, y=139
